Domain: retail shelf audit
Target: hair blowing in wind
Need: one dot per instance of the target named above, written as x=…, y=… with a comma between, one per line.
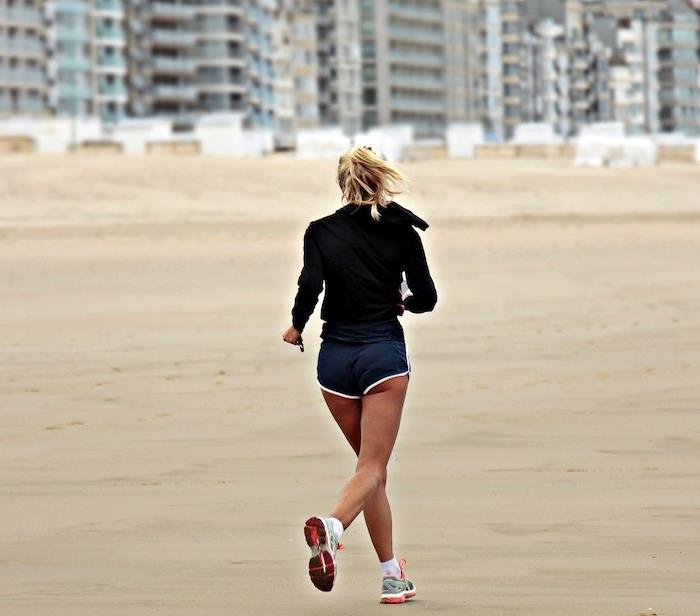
x=367, y=179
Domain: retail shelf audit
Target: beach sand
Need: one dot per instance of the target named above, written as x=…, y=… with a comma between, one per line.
x=161, y=447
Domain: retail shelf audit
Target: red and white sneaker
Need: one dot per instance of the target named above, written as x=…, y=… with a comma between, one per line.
x=397, y=589
x=323, y=566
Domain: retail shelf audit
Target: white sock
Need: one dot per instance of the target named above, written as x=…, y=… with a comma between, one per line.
x=391, y=567
x=337, y=527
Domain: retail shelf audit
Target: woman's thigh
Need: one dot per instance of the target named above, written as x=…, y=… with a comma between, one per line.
x=347, y=413
x=380, y=420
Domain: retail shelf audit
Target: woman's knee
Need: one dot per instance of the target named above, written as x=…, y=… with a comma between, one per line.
x=376, y=471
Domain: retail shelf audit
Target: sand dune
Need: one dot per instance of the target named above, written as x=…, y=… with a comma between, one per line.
x=160, y=447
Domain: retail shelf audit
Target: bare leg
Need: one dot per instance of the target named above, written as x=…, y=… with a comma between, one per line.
x=379, y=426
x=377, y=512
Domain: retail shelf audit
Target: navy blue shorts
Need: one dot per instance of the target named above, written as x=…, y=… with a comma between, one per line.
x=351, y=370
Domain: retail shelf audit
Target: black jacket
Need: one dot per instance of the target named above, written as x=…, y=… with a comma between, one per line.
x=361, y=262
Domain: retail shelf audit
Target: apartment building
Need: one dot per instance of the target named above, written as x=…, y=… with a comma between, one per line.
x=548, y=86
x=679, y=68
x=161, y=68
x=339, y=62
x=86, y=61
x=403, y=64
x=23, y=58
x=589, y=70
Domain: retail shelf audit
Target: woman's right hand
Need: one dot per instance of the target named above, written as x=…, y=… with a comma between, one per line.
x=291, y=335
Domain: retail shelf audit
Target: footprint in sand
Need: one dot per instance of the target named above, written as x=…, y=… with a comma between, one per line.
x=53, y=428
x=75, y=423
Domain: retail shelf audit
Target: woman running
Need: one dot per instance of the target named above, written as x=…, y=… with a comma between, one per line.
x=360, y=253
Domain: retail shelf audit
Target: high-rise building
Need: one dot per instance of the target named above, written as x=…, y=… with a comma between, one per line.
x=295, y=65
x=23, y=58
x=679, y=69
x=403, y=64
x=588, y=67
x=161, y=42
x=548, y=92
x=87, y=68
x=109, y=59
x=339, y=63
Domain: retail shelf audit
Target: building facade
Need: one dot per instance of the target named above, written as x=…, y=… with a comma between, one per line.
x=23, y=58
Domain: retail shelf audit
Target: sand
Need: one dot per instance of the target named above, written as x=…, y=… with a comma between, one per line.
x=161, y=447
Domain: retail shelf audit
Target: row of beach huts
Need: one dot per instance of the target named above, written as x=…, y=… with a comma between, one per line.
x=224, y=135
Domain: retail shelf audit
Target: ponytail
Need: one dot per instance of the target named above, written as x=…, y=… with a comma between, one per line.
x=367, y=179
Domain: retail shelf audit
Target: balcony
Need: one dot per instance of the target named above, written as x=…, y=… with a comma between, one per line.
x=164, y=64
x=26, y=78
x=73, y=63
x=172, y=38
x=112, y=90
x=221, y=7
x=418, y=82
x=72, y=6
x=112, y=64
x=415, y=12
x=73, y=35
x=110, y=34
x=417, y=59
x=175, y=92
x=223, y=86
x=15, y=46
x=435, y=105
x=72, y=91
x=22, y=16
x=112, y=8
x=415, y=34
x=171, y=11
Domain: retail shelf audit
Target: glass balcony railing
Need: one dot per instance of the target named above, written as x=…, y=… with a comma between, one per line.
x=71, y=6
x=110, y=33
x=111, y=63
x=416, y=12
x=112, y=89
x=18, y=45
x=175, y=91
x=79, y=35
x=422, y=104
x=27, y=76
x=173, y=37
x=110, y=6
x=73, y=91
x=418, y=81
x=173, y=64
x=167, y=9
x=415, y=34
x=76, y=63
x=21, y=14
x=430, y=59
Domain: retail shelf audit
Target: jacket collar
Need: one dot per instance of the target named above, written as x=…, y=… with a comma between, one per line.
x=392, y=214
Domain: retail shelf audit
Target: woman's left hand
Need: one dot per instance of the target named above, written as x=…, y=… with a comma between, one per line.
x=291, y=336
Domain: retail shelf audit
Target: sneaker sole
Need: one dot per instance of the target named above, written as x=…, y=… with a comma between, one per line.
x=322, y=563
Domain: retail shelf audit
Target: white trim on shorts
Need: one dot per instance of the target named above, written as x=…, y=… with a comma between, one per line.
x=337, y=393
x=386, y=378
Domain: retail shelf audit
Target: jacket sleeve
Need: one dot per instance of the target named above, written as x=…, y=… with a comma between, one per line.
x=310, y=282
x=423, y=294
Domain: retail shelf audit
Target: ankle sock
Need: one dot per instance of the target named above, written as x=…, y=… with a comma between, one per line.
x=337, y=527
x=391, y=568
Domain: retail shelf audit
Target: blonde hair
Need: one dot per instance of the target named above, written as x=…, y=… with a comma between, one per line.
x=367, y=179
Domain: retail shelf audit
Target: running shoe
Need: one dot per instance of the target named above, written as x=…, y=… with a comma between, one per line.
x=323, y=542
x=398, y=589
